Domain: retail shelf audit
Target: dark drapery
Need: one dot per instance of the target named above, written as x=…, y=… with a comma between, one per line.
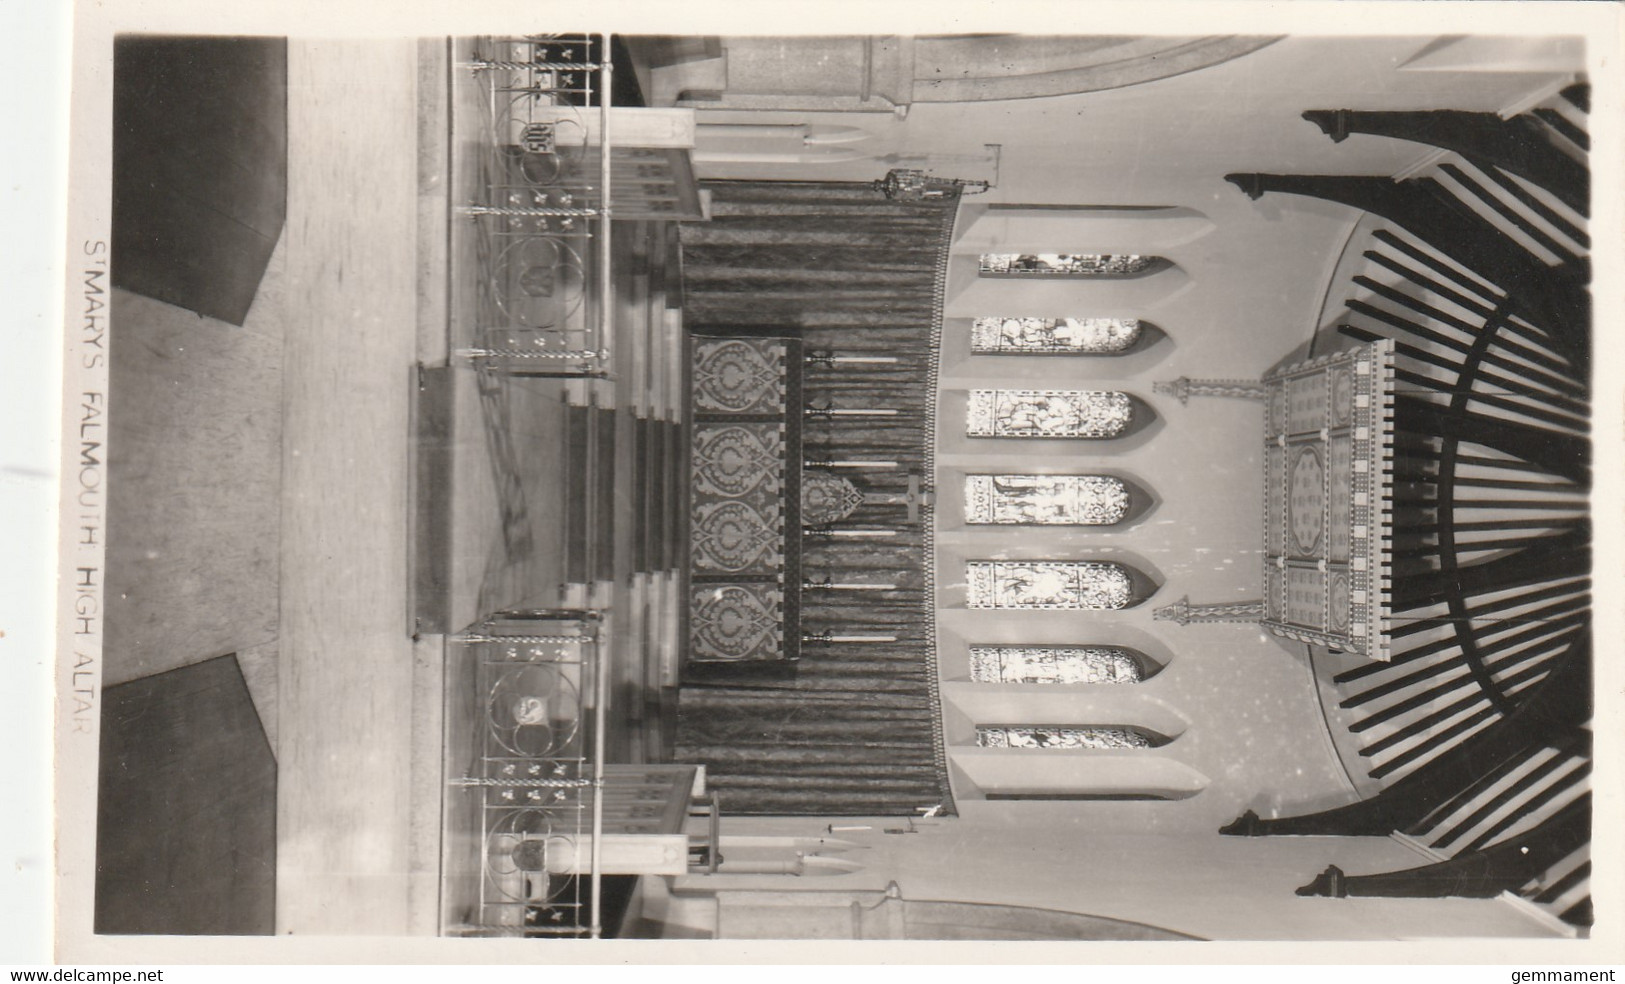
x=847, y=728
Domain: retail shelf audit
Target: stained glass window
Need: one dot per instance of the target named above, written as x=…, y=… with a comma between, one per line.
x=1084, y=336
x=1053, y=664
x=1046, y=737
x=1058, y=500
x=1048, y=413
x=1064, y=264
x=1045, y=584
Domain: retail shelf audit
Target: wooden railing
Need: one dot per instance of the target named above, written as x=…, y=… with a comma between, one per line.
x=1478, y=273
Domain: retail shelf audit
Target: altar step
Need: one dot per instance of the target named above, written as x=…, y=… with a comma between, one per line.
x=624, y=468
x=648, y=346
x=623, y=546
x=623, y=490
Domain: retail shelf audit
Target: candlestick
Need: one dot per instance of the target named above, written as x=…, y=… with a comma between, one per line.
x=877, y=465
x=841, y=586
x=822, y=637
x=829, y=360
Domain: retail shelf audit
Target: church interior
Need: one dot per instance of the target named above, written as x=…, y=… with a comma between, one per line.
x=897, y=487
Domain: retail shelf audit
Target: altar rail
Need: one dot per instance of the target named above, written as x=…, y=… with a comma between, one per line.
x=544, y=212
x=536, y=817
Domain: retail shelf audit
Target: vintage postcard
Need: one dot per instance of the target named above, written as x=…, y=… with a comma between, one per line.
x=989, y=481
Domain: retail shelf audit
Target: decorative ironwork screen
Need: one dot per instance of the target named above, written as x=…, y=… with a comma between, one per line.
x=1328, y=467
x=1049, y=500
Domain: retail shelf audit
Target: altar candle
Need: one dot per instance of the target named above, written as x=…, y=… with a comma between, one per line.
x=852, y=587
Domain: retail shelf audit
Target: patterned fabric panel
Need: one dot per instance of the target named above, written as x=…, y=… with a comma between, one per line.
x=739, y=459
x=1275, y=528
x=827, y=497
x=1340, y=496
x=1305, y=595
x=1306, y=499
x=738, y=536
x=1305, y=404
x=744, y=498
x=736, y=621
x=739, y=375
x=737, y=523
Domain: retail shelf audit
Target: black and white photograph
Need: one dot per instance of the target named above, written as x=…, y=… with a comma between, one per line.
x=764, y=481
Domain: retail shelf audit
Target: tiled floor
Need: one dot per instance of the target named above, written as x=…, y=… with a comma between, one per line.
x=345, y=851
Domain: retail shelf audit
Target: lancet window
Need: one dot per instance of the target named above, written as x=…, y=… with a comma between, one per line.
x=1054, y=664
x=1039, y=736
x=1048, y=500
x=1065, y=264
x=1054, y=336
x=1048, y=584
x=1048, y=413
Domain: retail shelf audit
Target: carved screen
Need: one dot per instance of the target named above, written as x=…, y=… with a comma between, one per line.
x=1048, y=413
x=1047, y=584
x=1064, y=264
x=1053, y=664
x=1082, y=336
x=1044, y=737
x=1054, y=500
